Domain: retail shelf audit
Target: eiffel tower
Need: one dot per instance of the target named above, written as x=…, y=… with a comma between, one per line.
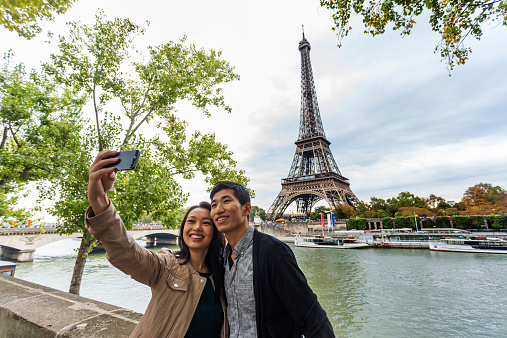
x=314, y=174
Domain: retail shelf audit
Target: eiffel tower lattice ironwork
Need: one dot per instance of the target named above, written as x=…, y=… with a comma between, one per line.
x=314, y=174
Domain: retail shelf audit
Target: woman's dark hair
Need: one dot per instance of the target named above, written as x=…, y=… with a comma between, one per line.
x=214, y=258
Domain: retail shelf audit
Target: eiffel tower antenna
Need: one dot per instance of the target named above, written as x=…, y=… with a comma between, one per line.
x=303, y=28
x=314, y=174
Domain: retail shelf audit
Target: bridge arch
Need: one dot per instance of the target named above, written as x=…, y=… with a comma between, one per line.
x=20, y=244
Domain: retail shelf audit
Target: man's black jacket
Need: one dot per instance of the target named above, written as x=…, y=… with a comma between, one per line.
x=285, y=306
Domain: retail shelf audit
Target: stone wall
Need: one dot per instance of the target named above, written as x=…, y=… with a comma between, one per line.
x=32, y=310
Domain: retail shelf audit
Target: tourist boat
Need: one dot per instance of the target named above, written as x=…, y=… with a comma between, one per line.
x=410, y=239
x=329, y=242
x=476, y=244
x=7, y=268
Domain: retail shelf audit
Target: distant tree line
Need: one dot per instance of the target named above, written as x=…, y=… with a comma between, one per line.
x=482, y=206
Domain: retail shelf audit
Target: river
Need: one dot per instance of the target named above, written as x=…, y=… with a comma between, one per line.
x=373, y=292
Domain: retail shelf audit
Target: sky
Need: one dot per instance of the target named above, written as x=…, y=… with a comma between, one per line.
x=395, y=118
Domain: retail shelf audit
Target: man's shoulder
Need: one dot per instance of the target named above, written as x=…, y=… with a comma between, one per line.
x=267, y=243
x=261, y=237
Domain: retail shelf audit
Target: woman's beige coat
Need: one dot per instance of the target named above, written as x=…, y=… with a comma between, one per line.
x=176, y=289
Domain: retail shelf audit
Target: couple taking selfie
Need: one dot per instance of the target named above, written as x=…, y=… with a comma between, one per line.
x=251, y=287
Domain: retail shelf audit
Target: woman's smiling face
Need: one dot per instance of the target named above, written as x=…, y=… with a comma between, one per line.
x=198, y=230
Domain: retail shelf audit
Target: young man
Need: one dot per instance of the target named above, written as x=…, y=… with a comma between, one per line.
x=267, y=293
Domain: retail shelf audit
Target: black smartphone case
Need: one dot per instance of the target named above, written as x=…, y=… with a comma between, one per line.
x=128, y=160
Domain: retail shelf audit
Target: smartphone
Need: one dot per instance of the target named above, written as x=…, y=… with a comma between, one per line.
x=128, y=160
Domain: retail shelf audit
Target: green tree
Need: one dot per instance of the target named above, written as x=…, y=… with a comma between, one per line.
x=460, y=206
x=442, y=222
x=21, y=16
x=477, y=222
x=315, y=215
x=496, y=221
x=361, y=224
x=39, y=127
x=96, y=61
x=344, y=212
x=381, y=213
x=428, y=222
x=363, y=207
x=443, y=205
x=454, y=20
x=448, y=211
x=340, y=213
x=352, y=224
x=257, y=211
x=434, y=201
x=7, y=209
x=377, y=203
x=493, y=193
x=404, y=199
x=371, y=214
x=387, y=222
x=461, y=222
x=356, y=223
x=404, y=222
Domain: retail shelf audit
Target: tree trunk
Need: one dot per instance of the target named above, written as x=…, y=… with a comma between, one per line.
x=86, y=242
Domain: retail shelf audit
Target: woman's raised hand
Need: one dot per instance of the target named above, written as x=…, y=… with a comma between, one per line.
x=101, y=180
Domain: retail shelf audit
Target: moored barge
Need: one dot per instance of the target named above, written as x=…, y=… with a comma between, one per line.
x=475, y=244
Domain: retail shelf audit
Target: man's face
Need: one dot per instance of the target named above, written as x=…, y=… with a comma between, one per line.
x=227, y=212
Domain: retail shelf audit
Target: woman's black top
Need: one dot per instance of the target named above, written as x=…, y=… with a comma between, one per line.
x=209, y=315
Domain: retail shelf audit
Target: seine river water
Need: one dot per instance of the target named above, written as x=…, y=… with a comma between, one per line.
x=369, y=292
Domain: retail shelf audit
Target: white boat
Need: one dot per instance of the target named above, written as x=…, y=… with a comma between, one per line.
x=329, y=242
x=410, y=239
x=475, y=244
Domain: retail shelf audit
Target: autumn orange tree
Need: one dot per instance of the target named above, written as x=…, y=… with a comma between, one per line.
x=484, y=199
x=344, y=211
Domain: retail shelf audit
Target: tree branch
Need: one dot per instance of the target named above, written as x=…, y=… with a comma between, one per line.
x=97, y=117
x=14, y=137
x=4, y=137
x=132, y=132
x=144, y=99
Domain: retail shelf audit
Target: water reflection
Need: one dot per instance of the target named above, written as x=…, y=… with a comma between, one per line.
x=365, y=292
x=407, y=293
x=338, y=279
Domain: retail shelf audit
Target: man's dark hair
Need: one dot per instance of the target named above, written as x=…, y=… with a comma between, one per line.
x=240, y=191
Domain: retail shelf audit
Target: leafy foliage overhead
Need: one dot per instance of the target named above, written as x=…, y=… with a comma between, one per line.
x=21, y=16
x=453, y=20
x=96, y=60
x=128, y=96
x=40, y=126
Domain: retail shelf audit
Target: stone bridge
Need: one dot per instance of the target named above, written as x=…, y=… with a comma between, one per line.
x=20, y=243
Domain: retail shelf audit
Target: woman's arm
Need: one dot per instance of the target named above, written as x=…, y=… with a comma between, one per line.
x=106, y=226
x=122, y=251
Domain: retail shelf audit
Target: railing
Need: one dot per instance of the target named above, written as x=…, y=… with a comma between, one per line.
x=314, y=176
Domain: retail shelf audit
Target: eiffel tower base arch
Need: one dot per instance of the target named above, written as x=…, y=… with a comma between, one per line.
x=308, y=192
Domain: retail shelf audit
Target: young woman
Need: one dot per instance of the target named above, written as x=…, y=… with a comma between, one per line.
x=187, y=285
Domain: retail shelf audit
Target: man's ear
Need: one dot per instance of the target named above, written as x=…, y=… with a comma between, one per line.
x=248, y=209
